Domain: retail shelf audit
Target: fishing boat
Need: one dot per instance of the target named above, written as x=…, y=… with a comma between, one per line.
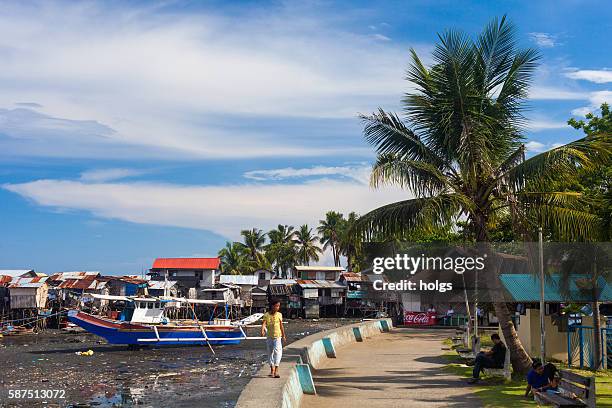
x=143, y=322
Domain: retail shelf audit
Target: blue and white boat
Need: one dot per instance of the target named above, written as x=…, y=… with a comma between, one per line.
x=145, y=323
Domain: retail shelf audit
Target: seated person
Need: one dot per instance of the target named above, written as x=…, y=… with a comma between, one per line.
x=537, y=380
x=493, y=358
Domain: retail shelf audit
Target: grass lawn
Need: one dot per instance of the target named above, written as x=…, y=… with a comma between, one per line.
x=494, y=392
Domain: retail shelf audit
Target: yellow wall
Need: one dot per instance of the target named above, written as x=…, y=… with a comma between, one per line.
x=529, y=333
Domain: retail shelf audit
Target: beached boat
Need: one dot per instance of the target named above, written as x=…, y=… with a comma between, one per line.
x=144, y=323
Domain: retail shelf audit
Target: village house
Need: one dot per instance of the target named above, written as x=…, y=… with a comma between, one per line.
x=523, y=290
x=21, y=273
x=246, y=284
x=286, y=292
x=264, y=276
x=163, y=288
x=321, y=298
x=329, y=273
x=191, y=274
x=28, y=293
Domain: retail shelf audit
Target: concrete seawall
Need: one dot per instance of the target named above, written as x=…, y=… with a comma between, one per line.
x=298, y=358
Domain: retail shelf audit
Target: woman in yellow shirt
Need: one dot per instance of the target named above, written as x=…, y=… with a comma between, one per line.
x=273, y=325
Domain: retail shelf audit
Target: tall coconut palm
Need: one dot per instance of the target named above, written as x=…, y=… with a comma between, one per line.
x=307, y=247
x=281, y=251
x=350, y=245
x=254, y=241
x=233, y=259
x=460, y=150
x=330, y=230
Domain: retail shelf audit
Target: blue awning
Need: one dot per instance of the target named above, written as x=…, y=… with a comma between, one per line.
x=526, y=288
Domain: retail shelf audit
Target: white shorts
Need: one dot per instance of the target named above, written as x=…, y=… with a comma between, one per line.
x=275, y=350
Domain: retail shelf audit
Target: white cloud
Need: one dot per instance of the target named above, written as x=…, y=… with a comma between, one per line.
x=597, y=76
x=543, y=124
x=222, y=209
x=99, y=175
x=545, y=40
x=552, y=93
x=595, y=99
x=535, y=147
x=164, y=80
x=381, y=37
x=357, y=173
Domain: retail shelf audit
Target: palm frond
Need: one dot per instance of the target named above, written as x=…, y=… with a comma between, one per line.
x=401, y=217
x=422, y=178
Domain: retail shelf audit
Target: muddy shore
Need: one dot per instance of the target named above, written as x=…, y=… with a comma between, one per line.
x=180, y=376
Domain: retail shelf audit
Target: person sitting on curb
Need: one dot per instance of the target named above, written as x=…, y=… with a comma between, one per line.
x=493, y=358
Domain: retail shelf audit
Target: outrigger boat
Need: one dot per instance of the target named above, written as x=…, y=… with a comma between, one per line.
x=144, y=322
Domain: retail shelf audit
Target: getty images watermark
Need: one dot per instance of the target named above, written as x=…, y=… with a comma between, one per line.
x=410, y=265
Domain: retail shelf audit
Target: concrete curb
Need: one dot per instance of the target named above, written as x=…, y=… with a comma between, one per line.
x=298, y=360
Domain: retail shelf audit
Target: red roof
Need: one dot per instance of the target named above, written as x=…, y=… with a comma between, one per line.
x=186, y=263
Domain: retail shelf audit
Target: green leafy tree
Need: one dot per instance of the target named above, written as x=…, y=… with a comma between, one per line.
x=460, y=151
x=593, y=259
x=307, y=245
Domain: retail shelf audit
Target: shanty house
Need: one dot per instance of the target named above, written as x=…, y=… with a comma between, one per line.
x=263, y=276
x=125, y=285
x=188, y=272
x=246, y=284
x=28, y=293
x=285, y=291
x=329, y=273
x=259, y=298
x=163, y=288
x=321, y=297
x=21, y=273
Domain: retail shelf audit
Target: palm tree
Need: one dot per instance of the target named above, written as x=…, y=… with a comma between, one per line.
x=232, y=258
x=308, y=250
x=254, y=240
x=281, y=250
x=330, y=229
x=461, y=152
x=350, y=243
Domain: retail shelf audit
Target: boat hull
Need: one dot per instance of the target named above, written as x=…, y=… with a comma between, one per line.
x=118, y=332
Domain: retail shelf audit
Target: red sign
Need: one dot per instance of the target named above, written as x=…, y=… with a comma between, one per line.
x=419, y=319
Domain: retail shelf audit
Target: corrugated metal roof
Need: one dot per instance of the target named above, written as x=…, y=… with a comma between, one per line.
x=352, y=277
x=15, y=273
x=83, y=284
x=319, y=268
x=160, y=285
x=239, y=279
x=319, y=284
x=282, y=282
x=4, y=279
x=186, y=263
x=526, y=288
x=62, y=276
x=28, y=282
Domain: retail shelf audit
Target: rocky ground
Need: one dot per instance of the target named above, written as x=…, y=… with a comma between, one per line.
x=181, y=376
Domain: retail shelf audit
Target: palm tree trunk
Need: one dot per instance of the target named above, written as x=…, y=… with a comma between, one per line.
x=521, y=362
x=597, y=346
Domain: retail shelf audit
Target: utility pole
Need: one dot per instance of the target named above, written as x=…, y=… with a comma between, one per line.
x=541, y=270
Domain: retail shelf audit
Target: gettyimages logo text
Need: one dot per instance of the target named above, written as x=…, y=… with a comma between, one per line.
x=413, y=264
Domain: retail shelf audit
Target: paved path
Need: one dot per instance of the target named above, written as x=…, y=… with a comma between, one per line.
x=398, y=369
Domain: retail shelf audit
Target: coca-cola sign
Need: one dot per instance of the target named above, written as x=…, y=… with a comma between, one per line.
x=419, y=318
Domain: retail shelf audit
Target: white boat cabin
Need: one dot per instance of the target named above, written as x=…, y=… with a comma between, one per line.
x=148, y=310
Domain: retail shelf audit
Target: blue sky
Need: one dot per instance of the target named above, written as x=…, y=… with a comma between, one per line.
x=132, y=131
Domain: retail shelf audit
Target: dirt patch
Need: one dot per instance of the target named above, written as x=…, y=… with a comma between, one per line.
x=177, y=376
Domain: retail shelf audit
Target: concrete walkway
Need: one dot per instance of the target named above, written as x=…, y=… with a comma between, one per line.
x=397, y=369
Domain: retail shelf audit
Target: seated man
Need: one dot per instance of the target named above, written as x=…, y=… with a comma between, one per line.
x=537, y=379
x=493, y=358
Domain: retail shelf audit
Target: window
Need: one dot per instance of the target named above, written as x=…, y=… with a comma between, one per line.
x=262, y=276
